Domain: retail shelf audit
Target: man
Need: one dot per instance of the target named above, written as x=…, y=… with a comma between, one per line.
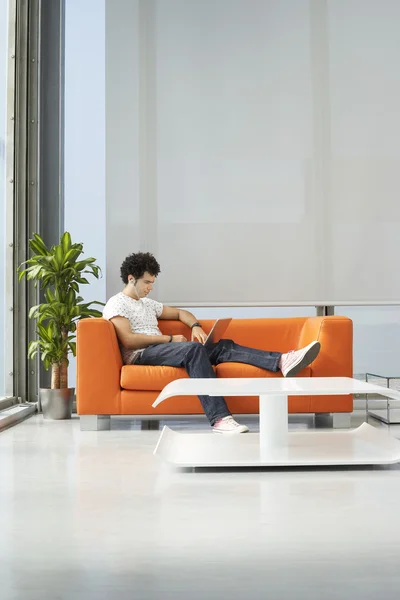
x=135, y=318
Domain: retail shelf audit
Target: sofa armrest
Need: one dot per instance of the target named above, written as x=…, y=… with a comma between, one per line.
x=336, y=337
x=99, y=363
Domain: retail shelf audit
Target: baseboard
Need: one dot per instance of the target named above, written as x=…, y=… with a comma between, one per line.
x=8, y=402
x=16, y=414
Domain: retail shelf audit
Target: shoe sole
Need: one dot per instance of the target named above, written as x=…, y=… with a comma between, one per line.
x=307, y=359
x=234, y=432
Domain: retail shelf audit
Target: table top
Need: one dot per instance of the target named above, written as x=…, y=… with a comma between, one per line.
x=259, y=386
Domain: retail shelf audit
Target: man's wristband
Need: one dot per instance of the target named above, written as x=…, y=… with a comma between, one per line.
x=170, y=338
x=197, y=324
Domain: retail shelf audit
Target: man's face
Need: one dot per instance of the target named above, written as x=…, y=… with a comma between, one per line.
x=144, y=285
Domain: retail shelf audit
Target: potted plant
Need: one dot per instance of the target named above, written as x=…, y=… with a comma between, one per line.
x=59, y=271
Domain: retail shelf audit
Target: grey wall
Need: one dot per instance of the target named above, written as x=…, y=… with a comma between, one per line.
x=125, y=171
x=254, y=147
x=3, y=98
x=117, y=191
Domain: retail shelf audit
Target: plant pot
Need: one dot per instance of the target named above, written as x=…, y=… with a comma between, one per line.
x=57, y=404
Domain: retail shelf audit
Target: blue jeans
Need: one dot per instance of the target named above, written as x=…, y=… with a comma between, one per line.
x=198, y=361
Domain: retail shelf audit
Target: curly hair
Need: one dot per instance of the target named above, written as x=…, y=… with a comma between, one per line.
x=137, y=264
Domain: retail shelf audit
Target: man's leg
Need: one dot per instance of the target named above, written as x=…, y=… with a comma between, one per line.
x=193, y=357
x=228, y=351
x=290, y=364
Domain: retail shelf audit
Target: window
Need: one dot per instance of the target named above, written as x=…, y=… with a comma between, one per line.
x=6, y=258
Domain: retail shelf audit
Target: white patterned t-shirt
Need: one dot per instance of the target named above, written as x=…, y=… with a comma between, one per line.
x=143, y=318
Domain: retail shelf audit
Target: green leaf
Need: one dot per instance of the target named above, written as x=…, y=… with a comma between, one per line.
x=49, y=295
x=72, y=255
x=91, y=313
x=71, y=299
x=59, y=256
x=34, y=272
x=47, y=363
x=33, y=348
x=44, y=333
x=37, y=245
x=86, y=263
x=34, y=312
x=96, y=271
x=66, y=242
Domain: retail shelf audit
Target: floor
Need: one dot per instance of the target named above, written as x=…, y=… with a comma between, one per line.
x=93, y=515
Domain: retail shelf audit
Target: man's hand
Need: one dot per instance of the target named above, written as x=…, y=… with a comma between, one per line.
x=199, y=335
x=178, y=338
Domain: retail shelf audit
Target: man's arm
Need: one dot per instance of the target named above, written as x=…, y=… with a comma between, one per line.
x=136, y=341
x=177, y=314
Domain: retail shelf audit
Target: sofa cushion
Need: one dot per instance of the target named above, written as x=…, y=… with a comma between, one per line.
x=242, y=370
x=148, y=378
x=144, y=377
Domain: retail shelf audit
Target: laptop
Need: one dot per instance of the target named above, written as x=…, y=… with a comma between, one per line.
x=217, y=331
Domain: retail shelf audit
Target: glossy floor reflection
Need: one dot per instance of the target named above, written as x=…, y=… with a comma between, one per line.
x=90, y=515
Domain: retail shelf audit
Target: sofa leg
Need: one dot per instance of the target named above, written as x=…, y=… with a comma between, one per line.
x=336, y=420
x=323, y=419
x=95, y=422
x=341, y=420
x=150, y=425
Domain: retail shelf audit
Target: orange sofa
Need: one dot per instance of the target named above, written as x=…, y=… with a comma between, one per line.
x=107, y=387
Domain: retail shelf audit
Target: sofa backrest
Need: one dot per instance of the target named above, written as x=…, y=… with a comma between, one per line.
x=264, y=334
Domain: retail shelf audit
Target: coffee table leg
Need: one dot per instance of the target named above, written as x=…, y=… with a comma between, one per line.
x=273, y=421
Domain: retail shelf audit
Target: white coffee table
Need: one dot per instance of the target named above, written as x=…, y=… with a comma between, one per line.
x=274, y=445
